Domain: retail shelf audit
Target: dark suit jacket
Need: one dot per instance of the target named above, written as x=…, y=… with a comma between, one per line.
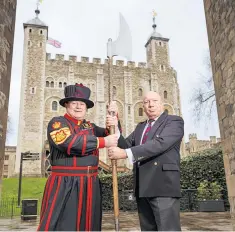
x=157, y=166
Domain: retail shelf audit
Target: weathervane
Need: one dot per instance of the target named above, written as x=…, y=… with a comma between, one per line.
x=37, y=11
x=154, y=16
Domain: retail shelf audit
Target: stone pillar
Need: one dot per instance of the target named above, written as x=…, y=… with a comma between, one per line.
x=220, y=18
x=154, y=82
x=7, y=29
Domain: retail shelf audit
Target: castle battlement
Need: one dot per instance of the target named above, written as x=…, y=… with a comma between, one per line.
x=95, y=61
x=193, y=136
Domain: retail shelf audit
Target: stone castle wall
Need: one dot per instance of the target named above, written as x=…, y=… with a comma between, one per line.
x=7, y=29
x=195, y=145
x=129, y=83
x=220, y=18
x=44, y=79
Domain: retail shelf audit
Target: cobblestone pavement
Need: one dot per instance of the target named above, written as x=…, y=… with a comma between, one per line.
x=128, y=221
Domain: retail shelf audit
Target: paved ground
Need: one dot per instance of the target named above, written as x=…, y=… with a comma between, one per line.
x=193, y=221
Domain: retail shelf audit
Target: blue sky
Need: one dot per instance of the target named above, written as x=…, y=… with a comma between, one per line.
x=84, y=26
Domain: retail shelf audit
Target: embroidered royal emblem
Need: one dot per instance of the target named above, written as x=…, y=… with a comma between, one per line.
x=59, y=136
x=56, y=125
x=86, y=125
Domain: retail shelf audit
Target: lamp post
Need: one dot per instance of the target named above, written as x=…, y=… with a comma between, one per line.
x=20, y=176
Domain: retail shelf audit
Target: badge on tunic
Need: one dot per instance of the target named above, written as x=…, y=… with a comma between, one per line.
x=56, y=125
x=86, y=125
x=59, y=136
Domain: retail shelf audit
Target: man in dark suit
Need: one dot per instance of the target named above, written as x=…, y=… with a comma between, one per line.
x=153, y=148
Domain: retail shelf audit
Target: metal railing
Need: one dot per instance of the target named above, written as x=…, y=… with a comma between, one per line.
x=9, y=208
x=188, y=203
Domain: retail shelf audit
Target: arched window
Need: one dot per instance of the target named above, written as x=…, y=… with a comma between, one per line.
x=47, y=84
x=140, y=92
x=65, y=84
x=140, y=111
x=41, y=32
x=166, y=110
x=33, y=90
x=54, y=105
x=160, y=43
x=162, y=67
x=52, y=84
x=30, y=30
x=165, y=94
x=60, y=84
x=114, y=91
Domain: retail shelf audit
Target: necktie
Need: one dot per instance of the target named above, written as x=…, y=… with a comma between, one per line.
x=145, y=136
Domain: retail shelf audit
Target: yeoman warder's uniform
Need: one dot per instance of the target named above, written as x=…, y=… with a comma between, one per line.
x=72, y=195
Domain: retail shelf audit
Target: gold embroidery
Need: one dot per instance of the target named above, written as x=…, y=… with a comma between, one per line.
x=86, y=125
x=56, y=125
x=59, y=136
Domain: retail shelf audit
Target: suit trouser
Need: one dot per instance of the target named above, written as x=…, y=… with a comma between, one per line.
x=159, y=213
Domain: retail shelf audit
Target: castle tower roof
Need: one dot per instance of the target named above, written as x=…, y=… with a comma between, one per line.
x=35, y=21
x=155, y=34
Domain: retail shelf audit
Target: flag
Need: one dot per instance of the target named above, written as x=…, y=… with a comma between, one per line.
x=123, y=45
x=54, y=43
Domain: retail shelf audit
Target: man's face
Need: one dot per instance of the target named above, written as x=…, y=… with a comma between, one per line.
x=76, y=109
x=152, y=104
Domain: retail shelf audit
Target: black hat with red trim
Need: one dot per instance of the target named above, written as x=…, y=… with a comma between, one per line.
x=77, y=92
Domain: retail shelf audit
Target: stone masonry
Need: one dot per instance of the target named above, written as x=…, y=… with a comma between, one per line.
x=9, y=161
x=44, y=78
x=220, y=18
x=7, y=30
x=195, y=145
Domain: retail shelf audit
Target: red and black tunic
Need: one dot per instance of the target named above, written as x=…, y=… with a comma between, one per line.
x=72, y=195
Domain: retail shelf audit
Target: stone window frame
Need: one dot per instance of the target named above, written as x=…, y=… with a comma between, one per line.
x=41, y=32
x=141, y=112
x=29, y=43
x=169, y=107
x=165, y=94
x=5, y=168
x=140, y=92
x=33, y=90
x=51, y=82
x=61, y=83
x=114, y=90
x=57, y=106
x=162, y=68
x=160, y=43
x=30, y=30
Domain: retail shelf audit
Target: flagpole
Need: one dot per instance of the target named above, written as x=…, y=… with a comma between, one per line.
x=112, y=131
